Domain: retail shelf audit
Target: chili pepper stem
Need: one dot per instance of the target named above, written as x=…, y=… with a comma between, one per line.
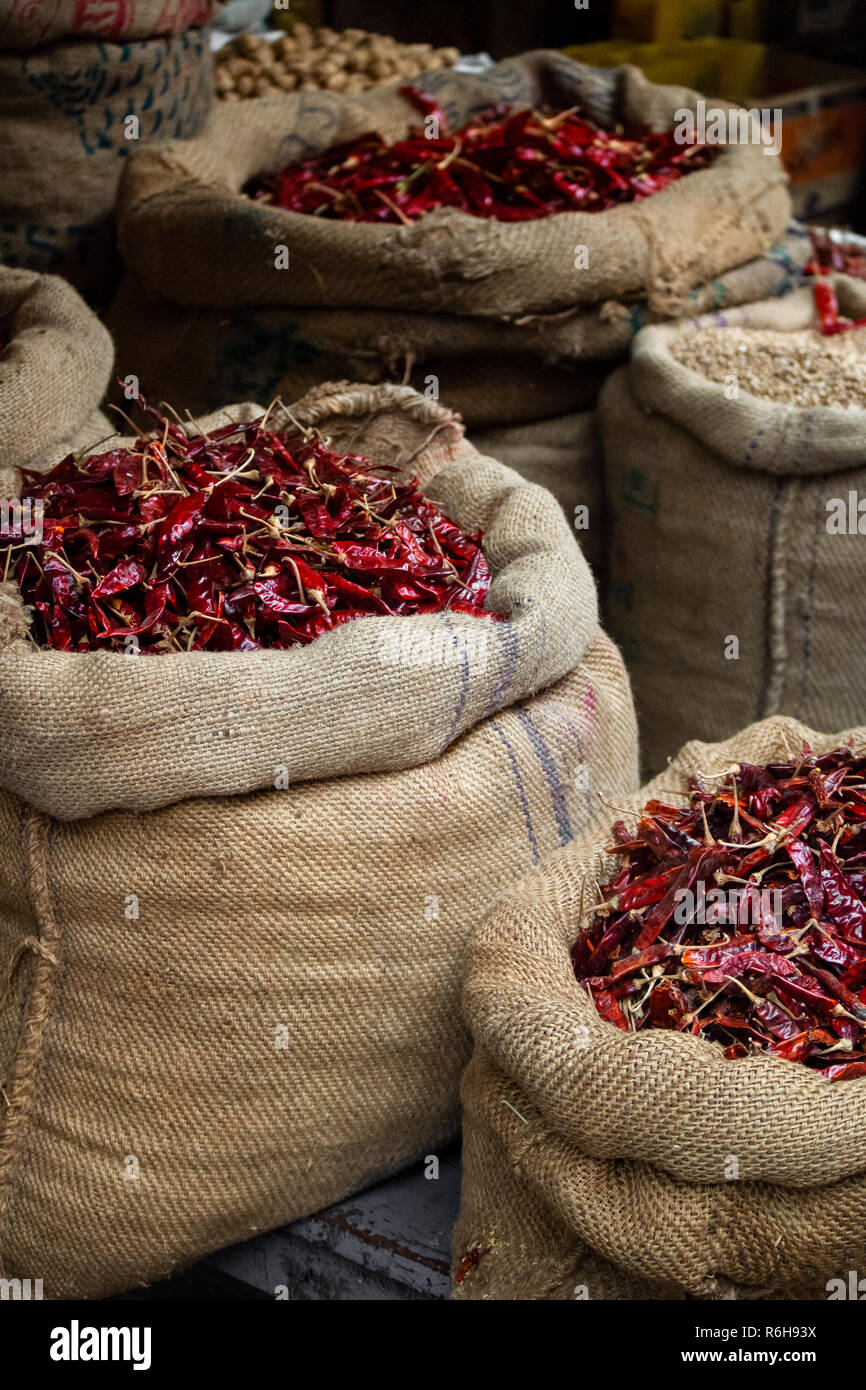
x=708, y=839
x=141, y=434
x=735, y=829
x=690, y=1018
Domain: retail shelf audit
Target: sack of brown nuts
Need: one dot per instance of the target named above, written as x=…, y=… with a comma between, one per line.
x=309, y=60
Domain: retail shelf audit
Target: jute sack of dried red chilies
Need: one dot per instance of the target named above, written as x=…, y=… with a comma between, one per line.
x=55, y=362
x=499, y=317
x=237, y=885
x=601, y=1163
x=81, y=86
x=735, y=546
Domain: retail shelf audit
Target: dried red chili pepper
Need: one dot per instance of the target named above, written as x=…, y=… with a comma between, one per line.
x=827, y=305
x=239, y=540
x=470, y=1261
x=512, y=167
x=742, y=917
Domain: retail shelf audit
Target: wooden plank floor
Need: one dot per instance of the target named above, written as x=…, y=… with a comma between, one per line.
x=390, y=1242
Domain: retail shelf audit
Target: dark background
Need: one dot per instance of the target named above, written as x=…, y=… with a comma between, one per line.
x=833, y=29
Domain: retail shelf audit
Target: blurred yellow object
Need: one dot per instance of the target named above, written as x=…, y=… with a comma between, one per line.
x=665, y=21
x=823, y=104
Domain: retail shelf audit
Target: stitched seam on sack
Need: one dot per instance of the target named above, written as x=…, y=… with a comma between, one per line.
x=29, y=1063
x=779, y=597
x=766, y=679
x=809, y=603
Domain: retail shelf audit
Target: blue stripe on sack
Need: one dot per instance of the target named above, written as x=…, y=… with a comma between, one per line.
x=549, y=768
x=509, y=640
x=582, y=763
x=521, y=793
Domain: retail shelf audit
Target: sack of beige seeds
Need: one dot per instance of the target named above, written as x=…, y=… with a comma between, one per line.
x=602, y=1164
x=509, y=322
x=233, y=997
x=55, y=362
x=735, y=482
x=81, y=86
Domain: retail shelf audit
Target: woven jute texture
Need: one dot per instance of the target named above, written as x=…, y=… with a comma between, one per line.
x=190, y=234
x=220, y=723
x=53, y=372
x=228, y=1012
x=70, y=114
x=562, y=454
x=613, y=1173
x=718, y=530
x=494, y=372
x=24, y=24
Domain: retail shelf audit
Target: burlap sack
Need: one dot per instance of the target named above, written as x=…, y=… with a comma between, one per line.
x=25, y=24
x=185, y=197
x=718, y=530
x=65, y=134
x=54, y=368
x=234, y=1009
x=493, y=373
x=598, y=1163
x=562, y=454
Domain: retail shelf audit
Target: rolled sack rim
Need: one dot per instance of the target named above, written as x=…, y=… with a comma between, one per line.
x=790, y=439
x=720, y=1104
x=213, y=697
x=46, y=315
x=186, y=181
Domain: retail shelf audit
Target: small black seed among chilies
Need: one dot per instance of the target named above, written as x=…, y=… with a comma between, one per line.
x=742, y=918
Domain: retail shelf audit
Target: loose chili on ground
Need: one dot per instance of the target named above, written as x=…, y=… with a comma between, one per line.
x=742, y=918
x=240, y=539
x=512, y=167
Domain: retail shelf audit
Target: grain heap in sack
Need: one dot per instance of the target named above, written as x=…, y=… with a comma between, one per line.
x=733, y=476
x=493, y=317
x=72, y=74
x=607, y=1164
x=233, y=931
x=55, y=362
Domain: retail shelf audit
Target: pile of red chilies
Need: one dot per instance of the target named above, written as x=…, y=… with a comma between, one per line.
x=511, y=167
x=236, y=540
x=742, y=919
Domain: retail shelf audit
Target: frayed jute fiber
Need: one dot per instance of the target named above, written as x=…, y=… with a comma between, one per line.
x=602, y=1164
x=226, y=1005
